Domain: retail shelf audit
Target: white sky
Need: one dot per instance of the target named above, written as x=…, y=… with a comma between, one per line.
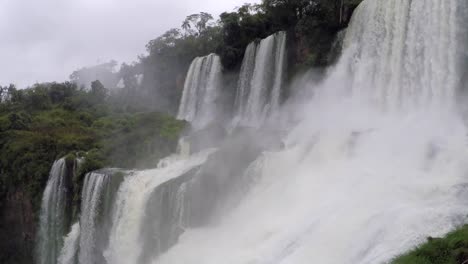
x=46, y=40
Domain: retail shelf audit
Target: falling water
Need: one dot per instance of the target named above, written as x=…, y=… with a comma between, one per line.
x=201, y=91
x=92, y=205
x=245, y=79
x=132, y=207
x=403, y=53
x=71, y=244
x=89, y=236
x=260, y=81
x=55, y=214
x=378, y=162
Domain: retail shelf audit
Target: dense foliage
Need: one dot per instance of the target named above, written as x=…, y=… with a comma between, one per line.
x=452, y=249
x=48, y=121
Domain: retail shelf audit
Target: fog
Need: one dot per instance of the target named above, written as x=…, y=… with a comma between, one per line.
x=47, y=40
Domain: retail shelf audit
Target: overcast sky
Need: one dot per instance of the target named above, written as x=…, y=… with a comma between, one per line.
x=46, y=40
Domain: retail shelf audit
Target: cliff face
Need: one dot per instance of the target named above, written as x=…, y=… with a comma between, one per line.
x=17, y=229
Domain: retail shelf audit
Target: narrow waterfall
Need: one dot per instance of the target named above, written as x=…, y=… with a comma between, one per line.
x=201, y=91
x=89, y=236
x=260, y=81
x=245, y=79
x=99, y=191
x=55, y=213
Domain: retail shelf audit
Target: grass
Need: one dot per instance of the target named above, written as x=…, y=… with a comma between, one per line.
x=451, y=249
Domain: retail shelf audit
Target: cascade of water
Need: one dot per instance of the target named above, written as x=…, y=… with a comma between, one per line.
x=402, y=53
x=201, y=90
x=92, y=195
x=261, y=78
x=99, y=191
x=357, y=184
x=245, y=79
x=89, y=236
x=55, y=214
x=133, y=206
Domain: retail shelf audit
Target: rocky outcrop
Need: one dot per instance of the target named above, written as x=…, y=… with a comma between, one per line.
x=17, y=229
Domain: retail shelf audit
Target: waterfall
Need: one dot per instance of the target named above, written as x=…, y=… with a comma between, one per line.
x=201, y=91
x=89, y=236
x=402, y=53
x=91, y=206
x=141, y=210
x=245, y=78
x=378, y=161
x=55, y=213
x=260, y=81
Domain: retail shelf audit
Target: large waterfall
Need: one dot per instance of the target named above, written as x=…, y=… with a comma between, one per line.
x=260, y=81
x=375, y=162
x=201, y=91
x=378, y=162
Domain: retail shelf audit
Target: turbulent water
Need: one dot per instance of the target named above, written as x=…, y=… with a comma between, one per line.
x=132, y=208
x=201, y=91
x=69, y=251
x=261, y=78
x=375, y=161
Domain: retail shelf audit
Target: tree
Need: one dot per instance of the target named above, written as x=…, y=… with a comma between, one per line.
x=128, y=74
x=198, y=21
x=3, y=91
x=14, y=95
x=98, y=91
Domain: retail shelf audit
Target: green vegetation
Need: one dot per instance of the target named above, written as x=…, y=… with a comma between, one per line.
x=49, y=121
x=452, y=249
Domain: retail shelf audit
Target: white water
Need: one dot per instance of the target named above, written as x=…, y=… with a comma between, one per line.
x=351, y=192
x=261, y=79
x=125, y=239
x=201, y=91
x=92, y=197
x=53, y=219
x=405, y=54
x=70, y=246
x=379, y=161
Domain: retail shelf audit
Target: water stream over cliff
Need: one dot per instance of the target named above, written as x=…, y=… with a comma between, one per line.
x=261, y=79
x=201, y=91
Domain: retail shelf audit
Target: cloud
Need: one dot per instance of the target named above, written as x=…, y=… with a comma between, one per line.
x=46, y=40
